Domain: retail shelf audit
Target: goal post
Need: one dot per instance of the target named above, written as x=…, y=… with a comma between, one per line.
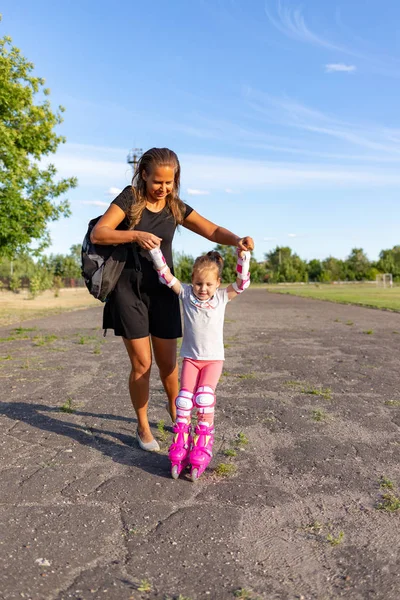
x=384, y=280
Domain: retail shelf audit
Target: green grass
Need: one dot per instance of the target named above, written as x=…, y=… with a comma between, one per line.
x=67, y=407
x=392, y=403
x=386, y=483
x=230, y=452
x=389, y=502
x=335, y=541
x=225, y=470
x=360, y=294
x=318, y=415
x=326, y=393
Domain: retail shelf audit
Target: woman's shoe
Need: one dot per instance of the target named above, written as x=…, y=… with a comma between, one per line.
x=152, y=446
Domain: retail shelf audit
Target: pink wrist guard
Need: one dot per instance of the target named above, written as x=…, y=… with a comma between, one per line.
x=162, y=276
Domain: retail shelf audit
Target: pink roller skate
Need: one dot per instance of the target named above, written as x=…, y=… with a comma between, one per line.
x=179, y=450
x=201, y=452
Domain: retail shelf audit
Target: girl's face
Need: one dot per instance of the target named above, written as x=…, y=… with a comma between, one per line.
x=205, y=283
x=159, y=183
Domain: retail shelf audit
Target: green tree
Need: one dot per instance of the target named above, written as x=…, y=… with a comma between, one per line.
x=389, y=262
x=183, y=265
x=285, y=266
x=314, y=269
x=332, y=269
x=357, y=264
x=28, y=192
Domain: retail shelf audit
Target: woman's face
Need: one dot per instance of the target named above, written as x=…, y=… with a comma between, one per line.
x=205, y=283
x=159, y=183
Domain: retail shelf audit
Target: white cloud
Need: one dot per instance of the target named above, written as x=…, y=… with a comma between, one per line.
x=193, y=192
x=292, y=235
x=204, y=174
x=230, y=191
x=95, y=203
x=340, y=68
x=290, y=22
x=113, y=191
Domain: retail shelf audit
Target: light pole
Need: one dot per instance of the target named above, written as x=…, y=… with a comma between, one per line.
x=133, y=157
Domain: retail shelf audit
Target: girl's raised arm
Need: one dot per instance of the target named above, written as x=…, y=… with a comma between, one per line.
x=243, y=275
x=164, y=273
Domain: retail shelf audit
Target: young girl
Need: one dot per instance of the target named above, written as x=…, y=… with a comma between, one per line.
x=203, y=305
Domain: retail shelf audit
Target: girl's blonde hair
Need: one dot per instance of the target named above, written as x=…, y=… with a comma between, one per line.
x=210, y=261
x=156, y=157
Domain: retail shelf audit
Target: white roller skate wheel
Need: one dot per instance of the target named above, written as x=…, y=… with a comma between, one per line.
x=194, y=475
x=175, y=472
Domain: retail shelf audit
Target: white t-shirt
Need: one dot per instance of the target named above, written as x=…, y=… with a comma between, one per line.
x=203, y=325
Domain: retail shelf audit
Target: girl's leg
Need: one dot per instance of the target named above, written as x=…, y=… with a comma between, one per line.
x=165, y=357
x=139, y=352
x=208, y=378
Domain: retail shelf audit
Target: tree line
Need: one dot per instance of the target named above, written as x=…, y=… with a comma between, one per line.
x=282, y=265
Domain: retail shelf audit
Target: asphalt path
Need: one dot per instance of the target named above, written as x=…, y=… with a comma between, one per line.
x=295, y=503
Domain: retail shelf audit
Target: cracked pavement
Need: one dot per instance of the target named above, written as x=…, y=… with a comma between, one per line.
x=84, y=513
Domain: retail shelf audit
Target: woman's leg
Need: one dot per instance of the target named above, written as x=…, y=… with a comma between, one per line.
x=139, y=352
x=165, y=357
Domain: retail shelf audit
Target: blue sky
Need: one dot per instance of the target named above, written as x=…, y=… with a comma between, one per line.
x=284, y=115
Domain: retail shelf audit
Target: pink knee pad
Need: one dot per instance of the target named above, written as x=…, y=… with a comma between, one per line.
x=204, y=400
x=184, y=405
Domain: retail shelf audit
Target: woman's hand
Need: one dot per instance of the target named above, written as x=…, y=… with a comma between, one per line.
x=246, y=243
x=146, y=240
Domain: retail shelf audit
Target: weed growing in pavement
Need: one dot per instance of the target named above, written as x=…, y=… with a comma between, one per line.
x=180, y=597
x=230, y=452
x=318, y=415
x=67, y=406
x=225, y=470
x=97, y=350
x=162, y=433
x=335, y=541
x=336, y=321
x=246, y=376
x=323, y=533
x=144, y=586
x=314, y=527
x=19, y=333
x=386, y=483
x=389, y=502
x=349, y=323
x=326, y=393
x=392, y=402
x=396, y=332
x=244, y=594
x=42, y=340
x=241, y=439
x=8, y=357
x=227, y=345
x=368, y=331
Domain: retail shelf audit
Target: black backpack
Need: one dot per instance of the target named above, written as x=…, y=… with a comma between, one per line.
x=102, y=265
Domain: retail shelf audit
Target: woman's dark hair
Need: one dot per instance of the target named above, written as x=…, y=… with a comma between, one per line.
x=156, y=157
x=211, y=260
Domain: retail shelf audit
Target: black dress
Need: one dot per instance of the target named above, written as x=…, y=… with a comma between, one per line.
x=140, y=305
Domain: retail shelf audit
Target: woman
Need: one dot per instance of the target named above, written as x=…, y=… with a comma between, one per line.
x=145, y=215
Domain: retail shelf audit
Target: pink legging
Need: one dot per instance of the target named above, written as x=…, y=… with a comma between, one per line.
x=197, y=373
x=200, y=372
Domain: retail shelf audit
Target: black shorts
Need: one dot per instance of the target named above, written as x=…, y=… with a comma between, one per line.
x=134, y=311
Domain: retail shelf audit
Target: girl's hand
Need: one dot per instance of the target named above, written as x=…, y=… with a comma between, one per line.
x=246, y=243
x=146, y=240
